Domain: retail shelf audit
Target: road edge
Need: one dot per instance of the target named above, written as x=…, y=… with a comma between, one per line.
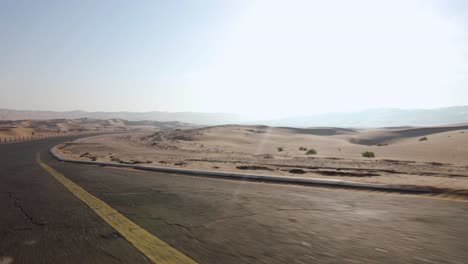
x=262, y=178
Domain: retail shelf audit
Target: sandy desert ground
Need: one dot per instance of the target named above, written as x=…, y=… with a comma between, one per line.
x=423, y=156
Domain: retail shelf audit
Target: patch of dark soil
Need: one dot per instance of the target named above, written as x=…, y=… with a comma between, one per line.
x=437, y=163
x=398, y=161
x=129, y=162
x=180, y=163
x=84, y=154
x=346, y=173
x=264, y=156
x=297, y=171
x=256, y=131
x=390, y=171
x=434, y=174
x=253, y=167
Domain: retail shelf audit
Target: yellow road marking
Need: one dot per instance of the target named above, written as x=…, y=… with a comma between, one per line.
x=151, y=246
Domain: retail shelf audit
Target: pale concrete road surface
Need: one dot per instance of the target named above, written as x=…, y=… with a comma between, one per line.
x=214, y=220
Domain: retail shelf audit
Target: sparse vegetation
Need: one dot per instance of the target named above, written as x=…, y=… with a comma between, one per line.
x=368, y=154
x=311, y=152
x=302, y=149
x=280, y=149
x=423, y=139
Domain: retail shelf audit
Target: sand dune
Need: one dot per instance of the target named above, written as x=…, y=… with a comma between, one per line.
x=440, y=160
x=388, y=135
x=22, y=128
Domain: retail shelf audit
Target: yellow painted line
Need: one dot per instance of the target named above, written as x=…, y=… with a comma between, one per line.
x=151, y=246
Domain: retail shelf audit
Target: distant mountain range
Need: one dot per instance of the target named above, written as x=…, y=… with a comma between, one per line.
x=380, y=118
x=368, y=118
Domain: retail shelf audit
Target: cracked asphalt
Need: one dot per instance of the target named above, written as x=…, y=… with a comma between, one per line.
x=214, y=220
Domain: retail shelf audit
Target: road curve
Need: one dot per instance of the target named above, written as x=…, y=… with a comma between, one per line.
x=213, y=220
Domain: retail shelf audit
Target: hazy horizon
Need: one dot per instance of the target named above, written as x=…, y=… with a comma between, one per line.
x=382, y=117
x=307, y=114
x=264, y=59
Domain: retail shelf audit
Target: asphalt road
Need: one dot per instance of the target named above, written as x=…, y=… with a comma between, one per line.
x=214, y=220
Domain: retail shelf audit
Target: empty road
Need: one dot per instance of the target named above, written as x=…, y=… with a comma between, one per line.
x=205, y=220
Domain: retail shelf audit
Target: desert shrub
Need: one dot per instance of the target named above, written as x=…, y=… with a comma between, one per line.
x=302, y=148
x=279, y=149
x=423, y=139
x=368, y=154
x=311, y=152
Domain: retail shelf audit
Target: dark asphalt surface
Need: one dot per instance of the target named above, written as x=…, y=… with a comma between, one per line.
x=214, y=220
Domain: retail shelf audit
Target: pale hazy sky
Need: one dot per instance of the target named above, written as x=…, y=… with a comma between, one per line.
x=265, y=58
